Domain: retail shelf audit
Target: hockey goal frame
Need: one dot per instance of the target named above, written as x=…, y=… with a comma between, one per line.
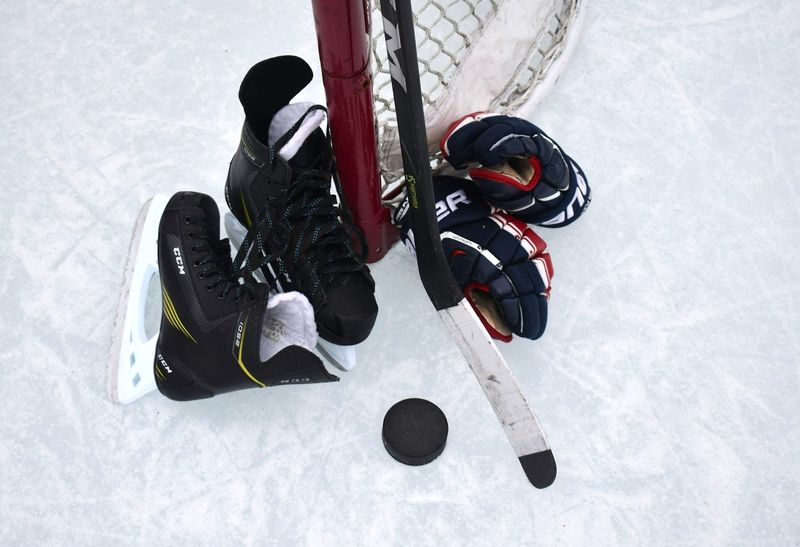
x=344, y=41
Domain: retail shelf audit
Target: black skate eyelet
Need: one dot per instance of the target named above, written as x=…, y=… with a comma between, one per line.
x=220, y=296
x=196, y=262
x=190, y=235
x=209, y=288
x=202, y=275
x=187, y=220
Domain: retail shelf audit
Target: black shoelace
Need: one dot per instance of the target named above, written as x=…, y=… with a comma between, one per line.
x=216, y=266
x=301, y=226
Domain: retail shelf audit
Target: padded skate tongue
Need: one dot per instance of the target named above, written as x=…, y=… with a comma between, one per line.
x=268, y=86
x=288, y=321
x=302, y=149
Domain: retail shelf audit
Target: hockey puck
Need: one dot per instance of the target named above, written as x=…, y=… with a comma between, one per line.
x=414, y=431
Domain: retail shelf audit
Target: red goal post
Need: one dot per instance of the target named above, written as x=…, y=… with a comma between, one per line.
x=498, y=55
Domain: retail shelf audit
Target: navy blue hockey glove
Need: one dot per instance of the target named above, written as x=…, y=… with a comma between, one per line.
x=518, y=168
x=497, y=260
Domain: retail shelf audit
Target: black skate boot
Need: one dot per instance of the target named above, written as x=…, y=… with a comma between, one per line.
x=281, y=175
x=211, y=328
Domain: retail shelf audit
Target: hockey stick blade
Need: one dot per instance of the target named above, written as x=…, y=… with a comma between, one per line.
x=519, y=423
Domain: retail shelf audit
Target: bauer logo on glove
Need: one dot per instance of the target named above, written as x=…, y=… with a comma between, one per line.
x=518, y=168
x=497, y=260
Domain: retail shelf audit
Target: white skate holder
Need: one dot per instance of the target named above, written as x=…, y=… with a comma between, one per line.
x=130, y=370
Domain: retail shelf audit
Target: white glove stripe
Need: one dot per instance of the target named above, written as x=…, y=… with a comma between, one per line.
x=527, y=244
x=542, y=267
x=485, y=253
x=507, y=137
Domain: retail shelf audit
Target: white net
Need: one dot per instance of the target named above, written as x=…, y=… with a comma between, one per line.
x=493, y=55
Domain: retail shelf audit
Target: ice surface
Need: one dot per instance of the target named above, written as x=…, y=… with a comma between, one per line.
x=668, y=378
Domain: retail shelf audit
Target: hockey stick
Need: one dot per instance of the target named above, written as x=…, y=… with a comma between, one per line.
x=501, y=388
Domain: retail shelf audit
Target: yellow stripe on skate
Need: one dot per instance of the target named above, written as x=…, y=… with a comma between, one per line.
x=169, y=311
x=172, y=315
x=241, y=363
x=246, y=214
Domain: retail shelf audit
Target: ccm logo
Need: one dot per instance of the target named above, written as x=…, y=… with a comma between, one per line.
x=164, y=363
x=179, y=261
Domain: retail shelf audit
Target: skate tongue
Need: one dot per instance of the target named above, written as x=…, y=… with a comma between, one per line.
x=299, y=150
x=289, y=320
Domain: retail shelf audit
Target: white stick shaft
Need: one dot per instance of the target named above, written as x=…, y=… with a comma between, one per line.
x=501, y=388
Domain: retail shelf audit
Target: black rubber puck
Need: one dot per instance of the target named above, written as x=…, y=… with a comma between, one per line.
x=414, y=431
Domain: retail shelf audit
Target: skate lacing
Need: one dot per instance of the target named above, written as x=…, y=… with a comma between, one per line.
x=301, y=225
x=216, y=265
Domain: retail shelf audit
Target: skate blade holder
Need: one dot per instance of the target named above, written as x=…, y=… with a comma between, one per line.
x=133, y=351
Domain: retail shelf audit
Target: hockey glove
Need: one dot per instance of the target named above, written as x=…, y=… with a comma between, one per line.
x=498, y=261
x=518, y=168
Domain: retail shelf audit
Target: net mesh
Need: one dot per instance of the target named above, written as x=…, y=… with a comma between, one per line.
x=448, y=34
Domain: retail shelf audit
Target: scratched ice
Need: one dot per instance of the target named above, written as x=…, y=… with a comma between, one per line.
x=668, y=378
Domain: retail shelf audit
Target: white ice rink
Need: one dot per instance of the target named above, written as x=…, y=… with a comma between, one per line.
x=668, y=379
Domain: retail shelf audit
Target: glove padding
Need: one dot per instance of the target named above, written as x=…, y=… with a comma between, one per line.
x=496, y=259
x=518, y=168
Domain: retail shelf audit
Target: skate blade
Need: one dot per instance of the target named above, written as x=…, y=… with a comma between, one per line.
x=342, y=357
x=130, y=369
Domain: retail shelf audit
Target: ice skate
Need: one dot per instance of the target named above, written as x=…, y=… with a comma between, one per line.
x=218, y=332
x=281, y=174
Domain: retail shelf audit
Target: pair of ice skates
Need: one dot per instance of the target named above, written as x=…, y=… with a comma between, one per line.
x=221, y=330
